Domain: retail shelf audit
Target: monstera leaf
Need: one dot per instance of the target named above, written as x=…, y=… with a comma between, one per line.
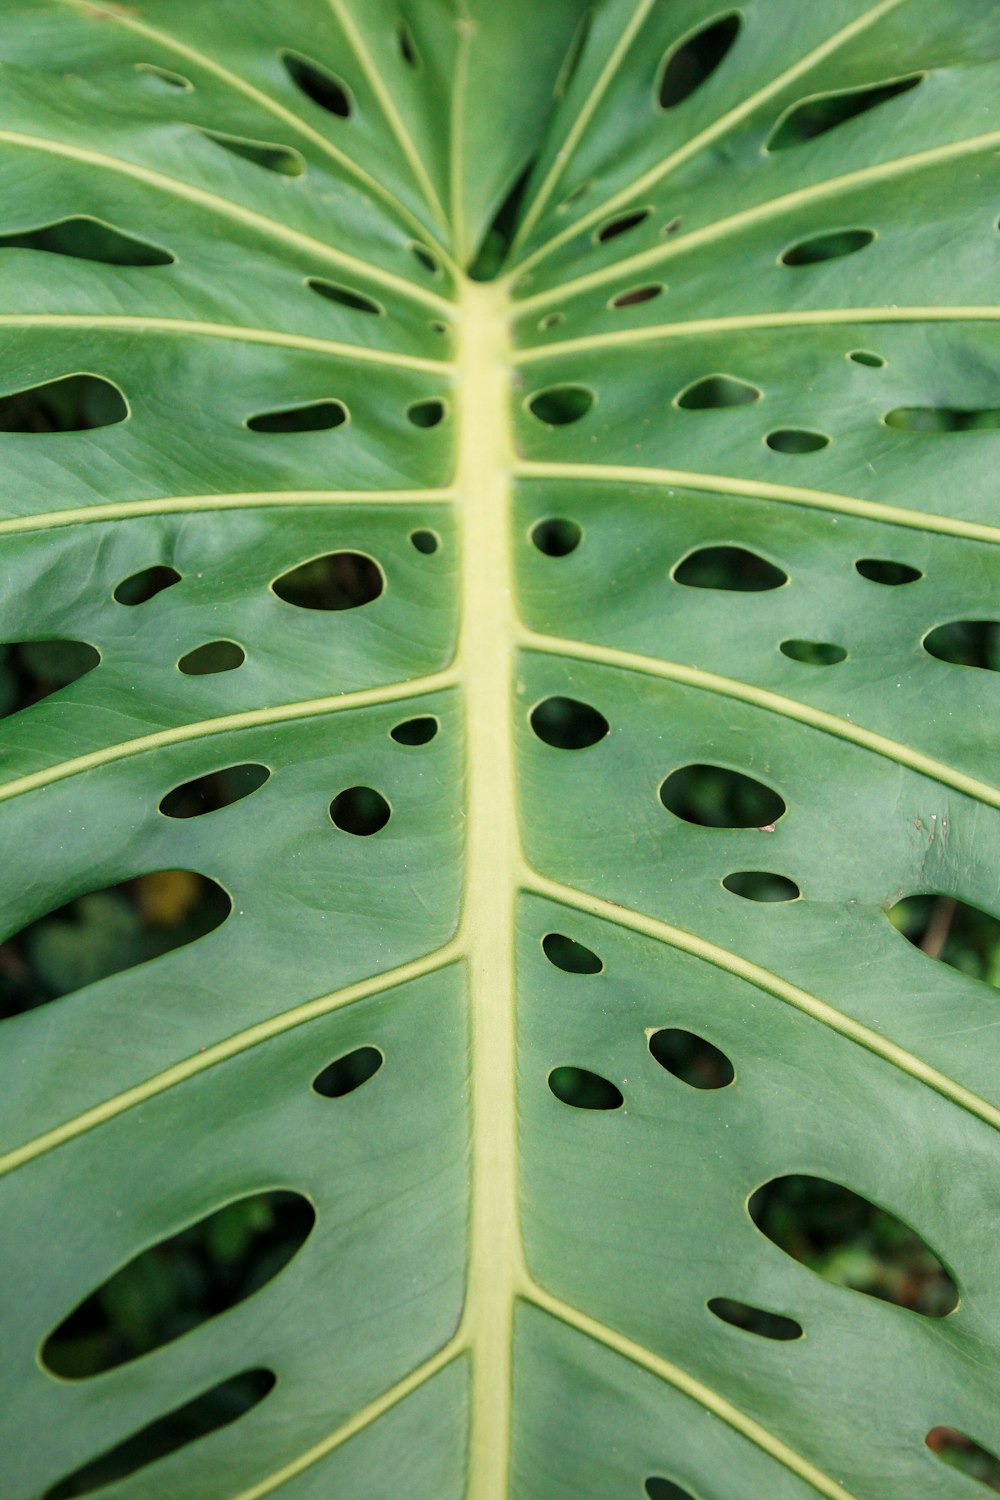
x=499, y=617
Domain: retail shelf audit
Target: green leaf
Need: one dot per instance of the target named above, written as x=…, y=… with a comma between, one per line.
x=499, y=781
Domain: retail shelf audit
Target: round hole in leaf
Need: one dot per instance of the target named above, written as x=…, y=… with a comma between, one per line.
x=217, y=789
x=884, y=570
x=556, y=536
x=338, y=580
x=622, y=224
x=734, y=569
x=867, y=357
x=426, y=542
x=766, y=1325
x=796, y=440
x=567, y=954
x=714, y=391
x=419, y=731
x=560, y=405
x=214, y=656
x=692, y=1059
x=814, y=653
x=429, y=413
x=638, y=294
x=360, y=810
x=833, y=245
x=761, y=885
x=582, y=1089
x=712, y=796
x=347, y=1073
x=140, y=587
x=568, y=724
x=853, y=1243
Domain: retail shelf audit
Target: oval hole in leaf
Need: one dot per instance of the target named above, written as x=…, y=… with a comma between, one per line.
x=108, y=931
x=714, y=391
x=425, y=257
x=207, y=1413
x=851, y=1242
x=345, y=296
x=139, y=588
x=318, y=84
x=867, y=357
x=715, y=797
x=582, y=1089
x=33, y=670
x=691, y=1058
x=761, y=885
x=560, y=405
x=197, y=1273
x=658, y=1488
x=767, y=1325
x=551, y=320
x=572, y=957
x=426, y=542
x=85, y=238
x=966, y=643
x=731, y=568
x=816, y=116
x=965, y=1454
x=314, y=416
x=942, y=419
x=693, y=60
x=348, y=1073
x=418, y=731
x=568, y=724
x=884, y=570
x=217, y=789
x=556, y=536
x=796, y=440
x=338, y=580
x=425, y=414
x=962, y=936
x=621, y=224
x=212, y=657
x=814, y=653
x=833, y=245
x=73, y=403
x=283, y=160
x=166, y=77
x=407, y=45
x=638, y=294
x=360, y=810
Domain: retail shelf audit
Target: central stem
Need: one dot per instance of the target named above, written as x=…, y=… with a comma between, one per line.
x=492, y=872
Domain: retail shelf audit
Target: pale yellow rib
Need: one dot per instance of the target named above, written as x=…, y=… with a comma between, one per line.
x=772, y=984
x=748, y=322
x=787, y=708
x=590, y=104
x=127, y=323
x=723, y=228
x=712, y=132
x=288, y=117
x=753, y=489
x=364, y=1418
x=210, y=1057
x=168, y=505
x=388, y=106
x=228, y=723
x=224, y=207
x=695, y=1389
